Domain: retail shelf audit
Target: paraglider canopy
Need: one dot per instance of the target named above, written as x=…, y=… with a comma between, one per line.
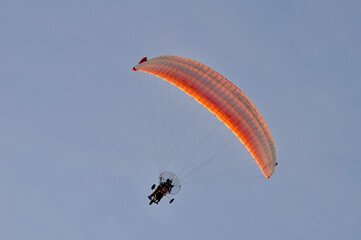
x=169, y=177
x=222, y=98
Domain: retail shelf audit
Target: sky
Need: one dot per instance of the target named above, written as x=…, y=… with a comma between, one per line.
x=76, y=156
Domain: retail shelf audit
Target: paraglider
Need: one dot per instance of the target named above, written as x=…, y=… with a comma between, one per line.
x=218, y=95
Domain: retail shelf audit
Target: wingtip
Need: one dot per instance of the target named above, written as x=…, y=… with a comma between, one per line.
x=143, y=60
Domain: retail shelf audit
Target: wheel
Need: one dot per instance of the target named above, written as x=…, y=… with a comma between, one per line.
x=150, y=203
x=153, y=186
x=171, y=200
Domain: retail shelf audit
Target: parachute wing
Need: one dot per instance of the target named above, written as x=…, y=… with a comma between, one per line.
x=223, y=99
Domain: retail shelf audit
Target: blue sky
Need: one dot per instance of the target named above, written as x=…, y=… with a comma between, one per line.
x=75, y=147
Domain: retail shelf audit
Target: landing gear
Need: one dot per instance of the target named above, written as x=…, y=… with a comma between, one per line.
x=151, y=201
x=153, y=186
x=171, y=200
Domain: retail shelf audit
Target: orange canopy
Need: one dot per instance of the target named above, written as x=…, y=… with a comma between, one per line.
x=220, y=97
